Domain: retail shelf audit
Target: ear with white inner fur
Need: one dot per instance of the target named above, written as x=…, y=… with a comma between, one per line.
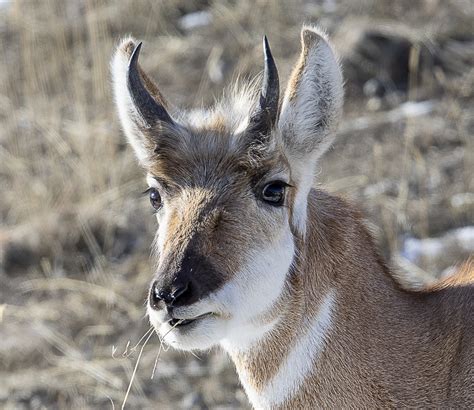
x=141, y=106
x=313, y=99
x=310, y=112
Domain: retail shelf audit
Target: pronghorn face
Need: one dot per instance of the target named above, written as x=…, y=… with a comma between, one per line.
x=229, y=186
x=223, y=237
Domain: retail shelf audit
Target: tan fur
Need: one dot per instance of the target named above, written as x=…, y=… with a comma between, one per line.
x=296, y=74
x=217, y=124
x=388, y=347
x=383, y=346
x=464, y=276
x=308, y=40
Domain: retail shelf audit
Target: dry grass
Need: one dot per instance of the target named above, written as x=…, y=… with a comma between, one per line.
x=75, y=233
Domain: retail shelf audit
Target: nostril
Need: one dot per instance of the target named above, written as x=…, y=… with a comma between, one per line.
x=182, y=293
x=157, y=295
x=165, y=296
x=169, y=297
x=179, y=290
x=154, y=296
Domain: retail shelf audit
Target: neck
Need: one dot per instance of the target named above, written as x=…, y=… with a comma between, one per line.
x=273, y=366
x=314, y=350
x=277, y=364
x=273, y=369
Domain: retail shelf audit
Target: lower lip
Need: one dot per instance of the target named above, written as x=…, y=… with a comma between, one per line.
x=176, y=324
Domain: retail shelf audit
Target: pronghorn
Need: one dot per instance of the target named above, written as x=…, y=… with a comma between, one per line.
x=284, y=277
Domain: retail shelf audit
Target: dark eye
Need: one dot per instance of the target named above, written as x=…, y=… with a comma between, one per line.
x=274, y=193
x=155, y=198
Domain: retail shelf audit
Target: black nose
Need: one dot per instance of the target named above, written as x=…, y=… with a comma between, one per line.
x=168, y=295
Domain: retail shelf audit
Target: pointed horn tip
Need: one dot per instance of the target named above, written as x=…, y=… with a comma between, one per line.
x=135, y=54
x=266, y=45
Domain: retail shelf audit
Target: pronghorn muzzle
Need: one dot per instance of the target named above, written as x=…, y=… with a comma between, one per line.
x=194, y=278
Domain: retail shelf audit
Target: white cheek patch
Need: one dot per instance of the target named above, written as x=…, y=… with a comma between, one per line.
x=254, y=290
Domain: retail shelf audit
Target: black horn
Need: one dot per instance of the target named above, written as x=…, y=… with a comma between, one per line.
x=266, y=114
x=151, y=110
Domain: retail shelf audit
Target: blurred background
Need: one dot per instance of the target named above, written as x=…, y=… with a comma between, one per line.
x=75, y=231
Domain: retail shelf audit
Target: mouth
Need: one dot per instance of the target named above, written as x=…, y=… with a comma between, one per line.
x=185, y=322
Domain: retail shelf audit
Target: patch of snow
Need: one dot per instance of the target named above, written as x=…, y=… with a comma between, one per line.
x=462, y=199
x=432, y=248
x=194, y=20
x=465, y=238
x=414, y=249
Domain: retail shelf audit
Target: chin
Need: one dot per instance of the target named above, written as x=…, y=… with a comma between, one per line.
x=201, y=334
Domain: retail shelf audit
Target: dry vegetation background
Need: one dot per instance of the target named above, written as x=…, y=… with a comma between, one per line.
x=75, y=232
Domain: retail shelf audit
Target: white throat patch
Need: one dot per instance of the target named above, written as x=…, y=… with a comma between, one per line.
x=299, y=362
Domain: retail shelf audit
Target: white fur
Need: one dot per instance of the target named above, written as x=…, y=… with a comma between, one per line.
x=321, y=78
x=237, y=306
x=301, y=201
x=254, y=291
x=299, y=362
x=152, y=182
x=234, y=108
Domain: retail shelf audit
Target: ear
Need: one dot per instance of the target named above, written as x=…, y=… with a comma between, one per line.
x=313, y=99
x=309, y=114
x=141, y=107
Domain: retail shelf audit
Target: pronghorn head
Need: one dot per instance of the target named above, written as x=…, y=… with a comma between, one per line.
x=229, y=185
